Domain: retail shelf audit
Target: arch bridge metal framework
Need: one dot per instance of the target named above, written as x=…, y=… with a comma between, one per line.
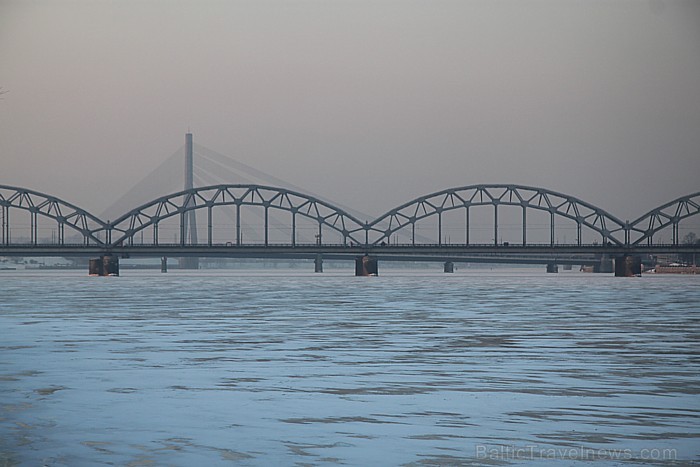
x=150, y=215
x=94, y=232
x=38, y=205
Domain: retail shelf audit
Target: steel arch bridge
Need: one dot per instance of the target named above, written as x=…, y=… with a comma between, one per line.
x=669, y=214
x=92, y=231
x=123, y=230
x=39, y=205
x=527, y=198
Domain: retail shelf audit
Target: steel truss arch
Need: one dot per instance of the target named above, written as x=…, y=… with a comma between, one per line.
x=51, y=207
x=669, y=214
x=527, y=197
x=150, y=214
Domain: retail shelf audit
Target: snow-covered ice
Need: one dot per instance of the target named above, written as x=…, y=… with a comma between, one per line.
x=281, y=369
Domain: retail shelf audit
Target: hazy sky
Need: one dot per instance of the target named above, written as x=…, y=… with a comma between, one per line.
x=371, y=103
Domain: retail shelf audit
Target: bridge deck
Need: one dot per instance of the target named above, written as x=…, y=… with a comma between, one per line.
x=534, y=254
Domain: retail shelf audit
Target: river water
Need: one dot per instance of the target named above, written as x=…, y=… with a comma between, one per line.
x=408, y=368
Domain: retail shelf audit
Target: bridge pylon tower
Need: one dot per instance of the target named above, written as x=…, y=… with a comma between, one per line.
x=189, y=231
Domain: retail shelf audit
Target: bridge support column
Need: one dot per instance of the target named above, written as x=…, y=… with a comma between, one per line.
x=106, y=265
x=552, y=268
x=164, y=264
x=628, y=266
x=318, y=263
x=449, y=267
x=366, y=266
x=189, y=262
x=605, y=265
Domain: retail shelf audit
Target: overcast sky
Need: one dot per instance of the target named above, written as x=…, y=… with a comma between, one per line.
x=371, y=103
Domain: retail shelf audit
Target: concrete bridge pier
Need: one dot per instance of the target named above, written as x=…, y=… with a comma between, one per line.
x=105, y=265
x=189, y=262
x=628, y=266
x=366, y=266
x=552, y=268
x=164, y=264
x=605, y=265
x=318, y=263
x=449, y=267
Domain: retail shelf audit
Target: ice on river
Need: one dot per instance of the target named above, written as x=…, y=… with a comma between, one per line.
x=284, y=368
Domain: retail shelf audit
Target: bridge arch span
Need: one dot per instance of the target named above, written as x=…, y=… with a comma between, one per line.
x=664, y=216
x=39, y=205
x=608, y=227
x=150, y=215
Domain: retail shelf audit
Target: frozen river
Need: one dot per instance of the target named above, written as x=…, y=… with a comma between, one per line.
x=288, y=368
